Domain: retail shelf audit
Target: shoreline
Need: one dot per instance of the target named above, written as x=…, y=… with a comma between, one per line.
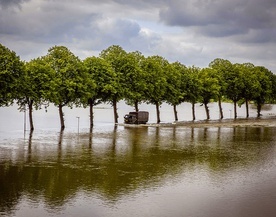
x=242, y=122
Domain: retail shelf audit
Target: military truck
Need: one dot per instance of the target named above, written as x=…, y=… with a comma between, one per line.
x=140, y=117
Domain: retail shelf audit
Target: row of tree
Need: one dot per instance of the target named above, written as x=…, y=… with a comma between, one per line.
x=63, y=79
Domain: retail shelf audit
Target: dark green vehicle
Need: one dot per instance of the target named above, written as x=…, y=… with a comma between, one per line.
x=140, y=117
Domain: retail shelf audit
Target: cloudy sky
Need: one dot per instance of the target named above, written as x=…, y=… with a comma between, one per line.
x=194, y=32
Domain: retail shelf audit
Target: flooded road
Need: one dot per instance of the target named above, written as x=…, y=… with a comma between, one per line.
x=137, y=171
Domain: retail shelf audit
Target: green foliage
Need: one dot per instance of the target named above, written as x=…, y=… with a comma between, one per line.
x=209, y=85
x=100, y=80
x=34, y=84
x=63, y=79
x=264, y=83
x=10, y=69
x=267, y=83
x=234, y=83
x=251, y=85
x=115, y=56
x=192, y=85
x=272, y=78
x=134, y=79
x=67, y=76
x=155, y=68
x=221, y=67
x=175, y=89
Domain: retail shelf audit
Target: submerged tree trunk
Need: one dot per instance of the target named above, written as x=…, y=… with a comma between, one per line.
x=235, y=109
x=157, y=112
x=259, y=108
x=114, y=104
x=247, y=108
x=207, y=111
x=193, y=110
x=61, y=117
x=91, y=111
x=136, y=106
x=60, y=143
x=220, y=108
x=175, y=113
x=31, y=115
x=90, y=137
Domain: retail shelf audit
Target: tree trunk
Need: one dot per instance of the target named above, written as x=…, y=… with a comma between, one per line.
x=60, y=143
x=235, y=109
x=220, y=108
x=157, y=112
x=193, y=111
x=30, y=147
x=247, y=108
x=259, y=108
x=136, y=106
x=61, y=117
x=114, y=140
x=90, y=137
x=114, y=104
x=91, y=110
x=175, y=113
x=31, y=115
x=207, y=111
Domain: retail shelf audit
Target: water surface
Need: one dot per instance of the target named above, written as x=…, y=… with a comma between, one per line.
x=137, y=171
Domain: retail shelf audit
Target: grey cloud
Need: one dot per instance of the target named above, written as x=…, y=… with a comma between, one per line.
x=221, y=18
x=142, y=4
x=38, y=26
x=216, y=31
x=9, y=3
x=105, y=32
x=55, y=22
x=258, y=37
x=203, y=29
x=58, y=23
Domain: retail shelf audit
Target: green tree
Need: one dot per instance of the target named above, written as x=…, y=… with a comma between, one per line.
x=234, y=85
x=155, y=68
x=251, y=84
x=175, y=92
x=67, y=81
x=116, y=57
x=263, y=93
x=98, y=83
x=272, y=97
x=193, y=89
x=33, y=86
x=222, y=67
x=134, y=79
x=210, y=87
x=10, y=69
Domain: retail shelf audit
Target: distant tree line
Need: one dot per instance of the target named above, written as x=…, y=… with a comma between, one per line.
x=62, y=79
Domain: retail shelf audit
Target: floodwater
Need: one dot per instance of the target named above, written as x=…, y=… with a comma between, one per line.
x=118, y=171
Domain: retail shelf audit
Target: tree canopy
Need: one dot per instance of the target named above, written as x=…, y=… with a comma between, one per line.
x=115, y=55
x=156, y=68
x=67, y=78
x=99, y=83
x=10, y=68
x=62, y=79
x=34, y=86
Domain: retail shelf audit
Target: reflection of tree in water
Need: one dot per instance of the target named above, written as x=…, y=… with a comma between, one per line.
x=30, y=146
x=10, y=187
x=132, y=158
